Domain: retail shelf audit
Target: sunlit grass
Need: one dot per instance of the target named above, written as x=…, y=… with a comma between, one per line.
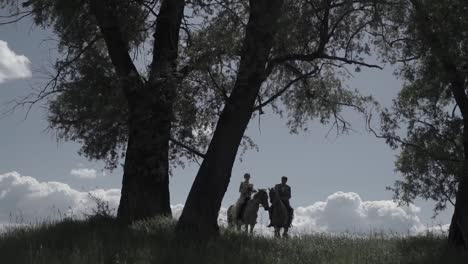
x=102, y=240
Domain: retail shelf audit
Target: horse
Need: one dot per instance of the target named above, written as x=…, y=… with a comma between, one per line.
x=278, y=214
x=249, y=216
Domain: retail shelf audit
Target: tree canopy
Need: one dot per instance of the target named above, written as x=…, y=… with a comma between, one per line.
x=84, y=105
x=430, y=40
x=425, y=122
x=300, y=72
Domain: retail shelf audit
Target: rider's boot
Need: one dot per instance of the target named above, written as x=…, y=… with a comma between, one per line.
x=241, y=211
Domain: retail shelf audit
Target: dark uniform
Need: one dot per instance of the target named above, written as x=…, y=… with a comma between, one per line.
x=284, y=193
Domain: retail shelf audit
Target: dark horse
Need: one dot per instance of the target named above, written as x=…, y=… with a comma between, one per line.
x=249, y=214
x=278, y=214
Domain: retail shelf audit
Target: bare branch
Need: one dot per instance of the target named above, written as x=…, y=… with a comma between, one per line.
x=350, y=61
x=187, y=147
x=317, y=55
x=50, y=87
x=216, y=85
x=21, y=16
x=285, y=88
x=405, y=143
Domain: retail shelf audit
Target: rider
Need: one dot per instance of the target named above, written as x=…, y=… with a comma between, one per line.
x=246, y=189
x=284, y=192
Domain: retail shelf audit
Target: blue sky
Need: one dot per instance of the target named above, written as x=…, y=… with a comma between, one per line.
x=317, y=166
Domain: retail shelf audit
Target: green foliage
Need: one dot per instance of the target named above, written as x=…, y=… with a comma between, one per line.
x=90, y=109
x=334, y=28
x=315, y=40
x=321, y=36
x=153, y=241
x=424, y=123
x=85, y=101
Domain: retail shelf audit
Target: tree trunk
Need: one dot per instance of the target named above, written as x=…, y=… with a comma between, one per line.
x=458, y=232
x=145, y=184
x=201, y=209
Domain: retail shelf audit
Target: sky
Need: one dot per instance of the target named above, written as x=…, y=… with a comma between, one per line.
x=338, y=182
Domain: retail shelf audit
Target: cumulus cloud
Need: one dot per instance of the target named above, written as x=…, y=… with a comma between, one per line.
x=346, y=212
x=24, y=199
x=84, y=173
x=12, y=66
x=440, y=229
x=340, y=212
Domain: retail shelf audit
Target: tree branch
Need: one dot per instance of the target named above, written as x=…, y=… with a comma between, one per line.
x=19, y=16
x=318, y=55
x=166, y=39
x=350, y=61
x=51, y=86
x=116, y=45
x=405, y=143
x=187, y=147
x=285, y=88
x=216, y=85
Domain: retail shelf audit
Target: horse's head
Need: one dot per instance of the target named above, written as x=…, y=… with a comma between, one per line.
x=262, y=197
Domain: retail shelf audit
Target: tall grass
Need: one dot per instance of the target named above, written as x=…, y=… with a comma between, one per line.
x=100, y=239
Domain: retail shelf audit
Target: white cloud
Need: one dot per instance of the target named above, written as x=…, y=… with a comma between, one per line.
x=441, y=229
x=24, y=199
x=346, y=212
x=84, y=173
x=32, y=200
x=12, y=66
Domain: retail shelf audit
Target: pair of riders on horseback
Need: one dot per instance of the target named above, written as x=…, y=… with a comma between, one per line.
x=283, y=190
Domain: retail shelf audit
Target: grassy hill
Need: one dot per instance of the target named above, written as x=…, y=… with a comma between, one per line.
x=102, y=240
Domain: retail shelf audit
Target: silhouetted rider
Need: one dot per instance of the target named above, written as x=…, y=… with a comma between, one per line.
x=246, y=189
x=284, y=193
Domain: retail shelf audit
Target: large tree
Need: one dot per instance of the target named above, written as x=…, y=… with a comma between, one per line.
x=97, y=39
x=428, y=39
x=226, y=65
x=145, y=185
x=290, y=49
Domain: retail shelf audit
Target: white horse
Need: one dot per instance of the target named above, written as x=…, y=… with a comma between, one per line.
x=249, y=216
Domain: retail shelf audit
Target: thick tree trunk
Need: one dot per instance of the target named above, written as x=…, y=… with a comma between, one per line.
x=145, y=184
x=201, y=209
x=458, y=232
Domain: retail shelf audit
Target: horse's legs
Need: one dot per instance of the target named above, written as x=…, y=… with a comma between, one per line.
x=238, y=225
x=277, y=232
x=285, y=232
x=246, y=228
x=251, y=229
